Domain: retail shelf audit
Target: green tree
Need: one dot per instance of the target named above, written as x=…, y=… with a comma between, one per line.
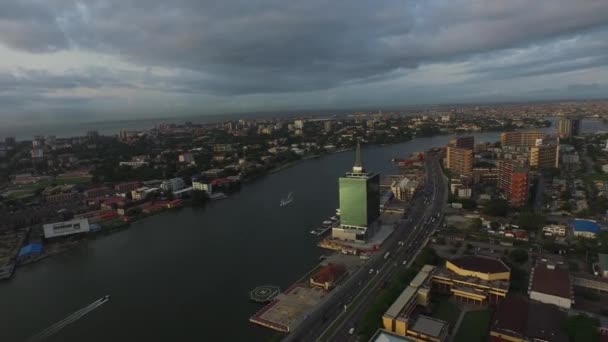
x=497, y=207
x=582, y=328
x=518, y=255
x=530, y=221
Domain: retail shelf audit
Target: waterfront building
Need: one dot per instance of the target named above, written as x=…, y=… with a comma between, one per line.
x=198, y=184
x=359, y=203
x=460, y=160
x=521, y=139
x=52, y=230
x=551, y=285
x=173, y=184
x=142, y=193
x=544, y=156
x=328, y=276
x=568, y=127
x=474, y=279
x=402, y=317
x=513, y=180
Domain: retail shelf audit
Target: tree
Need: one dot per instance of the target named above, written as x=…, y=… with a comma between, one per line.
x=518, y=255
x=494, y=225
x=582, y=328
x=476, y=224
x=498, y=207
x=530, y=221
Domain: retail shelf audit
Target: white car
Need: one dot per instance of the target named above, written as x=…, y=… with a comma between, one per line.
x=371, y=270
x=404, y=262
x=351, y=331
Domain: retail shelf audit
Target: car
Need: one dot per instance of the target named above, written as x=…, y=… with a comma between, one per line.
x=351, y=331
x=404, y=262
x=371, y=270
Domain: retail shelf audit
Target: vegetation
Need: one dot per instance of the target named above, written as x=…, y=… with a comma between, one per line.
x=582, y=328
x=474, y=326
x=518, y=255
x=498, y=207
x=445, y=310
x=530, y=221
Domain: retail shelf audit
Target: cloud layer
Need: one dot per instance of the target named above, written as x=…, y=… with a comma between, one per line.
x=238, y=54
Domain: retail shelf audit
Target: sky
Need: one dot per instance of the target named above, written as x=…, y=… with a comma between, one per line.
x=109, y=59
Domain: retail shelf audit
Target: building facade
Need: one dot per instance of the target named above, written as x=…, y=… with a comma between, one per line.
x=544, y=156
x=568, y=127
x=514, y=181
x=521, y=139
x=359, y=203
x=459, y=160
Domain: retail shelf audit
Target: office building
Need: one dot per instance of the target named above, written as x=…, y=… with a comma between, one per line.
x=359, y=203
x=521, y=139
x=514, y=181
x=328, y=126
x=464, y=142
x=544, y=156
x=568, y=127
x=460, y=160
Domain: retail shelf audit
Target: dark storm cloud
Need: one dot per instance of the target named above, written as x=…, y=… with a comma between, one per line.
x=271, y=46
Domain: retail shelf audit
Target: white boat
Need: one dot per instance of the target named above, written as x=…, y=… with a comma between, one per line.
x=287, y=200
x=333, y=218
x=327, y=222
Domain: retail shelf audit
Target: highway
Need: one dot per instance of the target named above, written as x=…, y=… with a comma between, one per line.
x=347, y=305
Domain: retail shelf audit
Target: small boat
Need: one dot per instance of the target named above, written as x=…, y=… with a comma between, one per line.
x=333, y=218
x=327, y=222
x=287, y=200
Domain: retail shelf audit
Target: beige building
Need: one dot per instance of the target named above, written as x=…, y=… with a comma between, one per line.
x=460, y=160
x=544, y=156
x=521, y=139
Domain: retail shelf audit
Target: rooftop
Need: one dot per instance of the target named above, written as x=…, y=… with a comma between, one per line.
x=603, y=261
x=429, y=326
x=554, y=282
x=382, y=335
x=586, y=226
x=410, y=292
x=480, y=264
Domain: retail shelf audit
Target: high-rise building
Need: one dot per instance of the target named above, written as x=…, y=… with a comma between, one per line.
x=359, y=203
x=544, y=156
x=327, y=125
x=514, y=181
x=460, y=160
x=464, y=142
x=521, y=139
x=298, y=124
x=568, y=127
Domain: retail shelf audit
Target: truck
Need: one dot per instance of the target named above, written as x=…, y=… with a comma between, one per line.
x=387, y=255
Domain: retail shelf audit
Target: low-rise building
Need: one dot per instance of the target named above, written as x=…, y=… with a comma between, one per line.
x=142, y=193
x=173, y=184
x=328, y=276
x=52, y=230
x=401, y=317
x=585, y=228
x=555, y=230
x=551, y=285
x=474, y=279
x=519, y=320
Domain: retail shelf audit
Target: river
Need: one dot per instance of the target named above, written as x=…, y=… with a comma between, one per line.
x=186, y=274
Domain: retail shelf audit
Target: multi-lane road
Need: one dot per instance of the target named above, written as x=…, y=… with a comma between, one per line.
x=337, y=318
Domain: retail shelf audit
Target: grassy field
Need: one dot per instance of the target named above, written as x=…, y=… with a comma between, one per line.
x=474, y=326
x=445, y=310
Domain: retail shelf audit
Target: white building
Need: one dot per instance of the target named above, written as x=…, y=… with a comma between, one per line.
x=52, y=230
x=555, y=229
x=173, y=184
x=298, y=124
x=198, y=185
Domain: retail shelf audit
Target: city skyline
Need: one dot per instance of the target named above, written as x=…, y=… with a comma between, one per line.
x=68, y=60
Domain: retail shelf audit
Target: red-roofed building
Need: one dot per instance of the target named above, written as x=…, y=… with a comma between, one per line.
x=127, y=187
x=111, y=203
x=327, y=276
x=551, y=285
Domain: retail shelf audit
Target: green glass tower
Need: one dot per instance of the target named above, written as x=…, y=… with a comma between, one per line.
x=359, y=202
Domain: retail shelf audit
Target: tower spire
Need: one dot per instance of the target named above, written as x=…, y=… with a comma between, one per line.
x=358, y=167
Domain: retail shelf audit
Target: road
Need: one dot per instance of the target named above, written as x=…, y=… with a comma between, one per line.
x=349, y=302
